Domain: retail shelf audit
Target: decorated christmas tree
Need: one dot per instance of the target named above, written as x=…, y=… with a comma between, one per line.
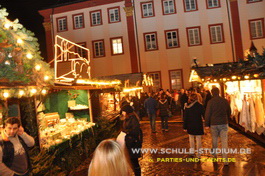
x=23, y=72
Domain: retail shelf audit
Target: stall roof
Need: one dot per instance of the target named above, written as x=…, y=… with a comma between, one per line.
x=254, y=67
x=134, y=78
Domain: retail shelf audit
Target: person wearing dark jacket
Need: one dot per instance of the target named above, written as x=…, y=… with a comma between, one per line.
x=193, y=122
x=133, y=138
x=150, y=105
x=163, y=108
x=216, y=117
x=14, y=146
x=183, y=98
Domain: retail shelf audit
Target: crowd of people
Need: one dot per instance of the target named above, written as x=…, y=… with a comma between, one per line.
x=200, y=110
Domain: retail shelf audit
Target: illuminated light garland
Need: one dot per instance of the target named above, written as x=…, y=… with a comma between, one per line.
x=91, y=82
x=256, y=75
x=132, y=89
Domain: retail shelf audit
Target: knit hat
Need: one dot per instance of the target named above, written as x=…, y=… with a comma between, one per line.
x=127, y=108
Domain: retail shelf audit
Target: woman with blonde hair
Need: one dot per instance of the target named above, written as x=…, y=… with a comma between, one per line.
x=193, y=122
x=109, y=159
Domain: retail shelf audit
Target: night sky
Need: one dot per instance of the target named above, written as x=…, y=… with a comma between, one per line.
x=27, y=13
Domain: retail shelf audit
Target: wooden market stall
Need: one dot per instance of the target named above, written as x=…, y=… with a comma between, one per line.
x=243, y=85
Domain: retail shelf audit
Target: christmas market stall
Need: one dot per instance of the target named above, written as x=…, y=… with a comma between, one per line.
x=242, y=83
x=55, y=110
x=132, y=87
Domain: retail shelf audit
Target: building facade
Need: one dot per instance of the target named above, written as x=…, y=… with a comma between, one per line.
x=160, y=37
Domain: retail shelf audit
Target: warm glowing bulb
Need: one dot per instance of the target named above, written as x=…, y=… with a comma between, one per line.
x=33, y=91
x=7, y=62
x=224, y=79
x=6, y=94
x=202, y=79
x=246, y=77
x=29, y=56
x=234, y=77
x=44, y=91
x=21, y=92
x=46, y=78
x=214, y=80
x=7, y=25
x=37, y=67
x=256, y=75
x=19, y=41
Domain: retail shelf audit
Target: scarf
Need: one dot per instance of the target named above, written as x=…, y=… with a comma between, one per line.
x=163, y=102
x=190, y=105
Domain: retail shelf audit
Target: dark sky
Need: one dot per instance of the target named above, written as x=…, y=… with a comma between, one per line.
x=27, y=13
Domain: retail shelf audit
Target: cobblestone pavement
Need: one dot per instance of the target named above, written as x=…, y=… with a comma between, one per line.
x=160, y=164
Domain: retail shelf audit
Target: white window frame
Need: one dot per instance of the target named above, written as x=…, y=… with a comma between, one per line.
x=216, y=32
x=213, y=3
x=98, y=48
x=62, y=24
x=251, y=1
x=256, y=28
x=194, y=36
x=173, y=41
x=176, y=79
x=96, y=18
x=190, y=5
x=169, y=8
x=147, y=9
x=78, y=21
x=114, y=15
x=150, y=41
x=116, y=46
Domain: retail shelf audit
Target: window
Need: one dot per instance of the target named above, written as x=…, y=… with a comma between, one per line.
x=116, y=46
x=95, y=18
x=194, y=36
x=156, y=76
x=256, y=28
x=114, y=14
x=251, y=1
x=213, y=4
x=150, y=41
x=172, y=39
x=78, y=20
x=168, y=7
x=147, y=9
x=176, y=80
x=216, y=33
x=190, y=5
x=62, y=24
x=80, y=51
x=98, y=48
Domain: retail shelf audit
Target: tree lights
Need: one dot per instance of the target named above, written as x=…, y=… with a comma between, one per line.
x=22, y=71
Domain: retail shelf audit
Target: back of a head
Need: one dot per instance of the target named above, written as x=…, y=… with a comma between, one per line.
x=109, y=159
x=215, y=91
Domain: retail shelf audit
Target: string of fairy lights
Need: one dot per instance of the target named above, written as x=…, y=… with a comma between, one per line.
x=22, y=71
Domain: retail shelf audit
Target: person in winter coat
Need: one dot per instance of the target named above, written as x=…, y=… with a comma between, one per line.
x=193, y=122
x=133, y=138
x=163, y=108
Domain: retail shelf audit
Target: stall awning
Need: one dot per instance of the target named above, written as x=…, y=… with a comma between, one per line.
x=254, y=68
